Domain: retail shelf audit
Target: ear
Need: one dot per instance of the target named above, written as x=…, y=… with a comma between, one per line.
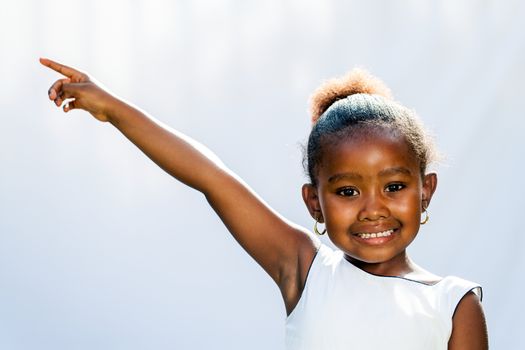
x=429, y=187
x=311, y=199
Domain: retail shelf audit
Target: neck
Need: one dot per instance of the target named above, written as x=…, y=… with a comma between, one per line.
x=398, y=266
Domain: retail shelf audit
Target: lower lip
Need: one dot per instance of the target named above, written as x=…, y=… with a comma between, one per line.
x=376, y=240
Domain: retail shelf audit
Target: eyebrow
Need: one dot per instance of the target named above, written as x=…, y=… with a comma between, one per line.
x=395, y=171
x=382, y=173
x=349, y=176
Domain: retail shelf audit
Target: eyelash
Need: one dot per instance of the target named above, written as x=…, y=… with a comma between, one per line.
x=342, y=191
x=395, y=187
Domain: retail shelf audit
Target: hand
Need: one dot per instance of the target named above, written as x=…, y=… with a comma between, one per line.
x=79, y=91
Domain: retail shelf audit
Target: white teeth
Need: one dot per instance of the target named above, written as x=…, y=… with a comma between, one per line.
x=376, y=235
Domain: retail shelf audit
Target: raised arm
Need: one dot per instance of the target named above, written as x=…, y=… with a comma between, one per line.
x=283, y=249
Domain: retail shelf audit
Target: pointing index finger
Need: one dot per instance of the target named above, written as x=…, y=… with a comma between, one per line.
x=60, y=68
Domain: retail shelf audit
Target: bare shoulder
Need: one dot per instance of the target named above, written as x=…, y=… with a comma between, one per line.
x=469, y=327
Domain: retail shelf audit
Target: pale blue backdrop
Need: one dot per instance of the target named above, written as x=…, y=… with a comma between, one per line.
x=100, y=249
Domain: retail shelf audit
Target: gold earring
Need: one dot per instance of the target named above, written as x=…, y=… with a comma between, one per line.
x=316, y=230
x=425, y=220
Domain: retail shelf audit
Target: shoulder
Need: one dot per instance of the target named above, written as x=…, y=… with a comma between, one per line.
x=460, y=303
x=469, y=328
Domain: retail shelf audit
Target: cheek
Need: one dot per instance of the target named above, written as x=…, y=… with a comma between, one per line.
x=409, y=205
x=337, y=211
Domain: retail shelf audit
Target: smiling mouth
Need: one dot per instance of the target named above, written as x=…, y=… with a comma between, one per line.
x=365, y=235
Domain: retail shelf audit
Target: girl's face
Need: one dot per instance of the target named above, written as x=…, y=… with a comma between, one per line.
x=370, y=195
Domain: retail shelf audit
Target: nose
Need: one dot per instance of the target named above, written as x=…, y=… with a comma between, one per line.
x=373, y=208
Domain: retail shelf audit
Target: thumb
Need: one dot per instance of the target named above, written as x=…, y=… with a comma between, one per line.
x=70, y=105
x=85, y=96
x=72, y=94
x=71, y=90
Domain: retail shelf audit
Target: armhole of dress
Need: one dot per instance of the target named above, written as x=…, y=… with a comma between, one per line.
x=307, y=278
x=477, y=290
x=310, y=268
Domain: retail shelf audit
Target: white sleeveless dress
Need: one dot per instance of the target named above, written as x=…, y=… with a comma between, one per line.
x=344, y=307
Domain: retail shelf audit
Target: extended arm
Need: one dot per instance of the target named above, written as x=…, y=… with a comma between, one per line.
x=283, y=249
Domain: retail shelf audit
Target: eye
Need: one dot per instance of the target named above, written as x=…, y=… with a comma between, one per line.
x=347, y=192
x=394, y=187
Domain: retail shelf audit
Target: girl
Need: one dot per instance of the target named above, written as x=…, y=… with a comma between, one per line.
x=367, y=160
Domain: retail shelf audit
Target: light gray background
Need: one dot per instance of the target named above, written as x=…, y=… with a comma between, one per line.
x=99, y=249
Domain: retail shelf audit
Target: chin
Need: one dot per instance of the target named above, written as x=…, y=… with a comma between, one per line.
x=377, y=258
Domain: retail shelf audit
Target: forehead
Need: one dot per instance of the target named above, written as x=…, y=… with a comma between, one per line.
x=367, y=153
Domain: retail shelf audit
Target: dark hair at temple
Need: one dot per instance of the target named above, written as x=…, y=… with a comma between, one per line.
x=360, y=102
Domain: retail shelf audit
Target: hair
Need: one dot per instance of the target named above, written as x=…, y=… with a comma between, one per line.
x=360, y=102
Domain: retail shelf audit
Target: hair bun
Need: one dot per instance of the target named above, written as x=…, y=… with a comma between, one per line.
x=357, y=81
